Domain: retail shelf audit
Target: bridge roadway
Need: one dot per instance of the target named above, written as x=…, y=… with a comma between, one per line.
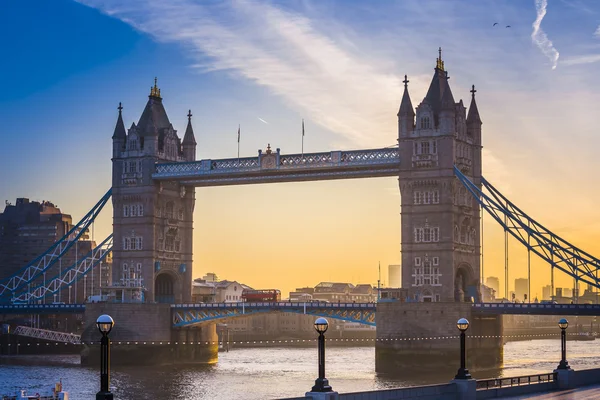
x=359, y=312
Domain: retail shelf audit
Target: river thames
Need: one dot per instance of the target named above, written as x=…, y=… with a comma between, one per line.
x=267, y=373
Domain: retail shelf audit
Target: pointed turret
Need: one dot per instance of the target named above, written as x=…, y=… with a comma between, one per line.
x=439, y=90
x=120, y=126
x=406, y=107
x=406, y=114
x=119, y=137
x=189, y=140
x=473, y=117
x=154, y=117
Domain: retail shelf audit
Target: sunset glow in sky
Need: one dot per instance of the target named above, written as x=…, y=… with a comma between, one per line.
x=338, y=65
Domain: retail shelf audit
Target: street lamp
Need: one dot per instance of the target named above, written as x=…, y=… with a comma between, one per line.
x=105, y=324
x=563, y=324
x=321, y=384
x=463, y=372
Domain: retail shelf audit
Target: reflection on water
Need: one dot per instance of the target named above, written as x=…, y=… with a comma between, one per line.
x=269, y=373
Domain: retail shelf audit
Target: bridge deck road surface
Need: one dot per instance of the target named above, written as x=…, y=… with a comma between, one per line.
x=583, y=393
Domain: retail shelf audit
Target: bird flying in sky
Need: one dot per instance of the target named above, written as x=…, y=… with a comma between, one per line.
x=495, y=23
x=508, y=26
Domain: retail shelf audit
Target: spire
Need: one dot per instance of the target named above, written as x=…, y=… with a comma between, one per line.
x=155, y=91
x=473, y=116
x=154, y=117
x=438, y=88
x=406, y=107
x=189, y=138
x=120, y=127
x=439, y=63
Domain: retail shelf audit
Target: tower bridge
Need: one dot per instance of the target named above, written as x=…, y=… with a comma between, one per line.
x=438, y=162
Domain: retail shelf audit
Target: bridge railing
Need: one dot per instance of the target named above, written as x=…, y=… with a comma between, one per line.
x=384, y=156
x=495, y=383
x=62, y=337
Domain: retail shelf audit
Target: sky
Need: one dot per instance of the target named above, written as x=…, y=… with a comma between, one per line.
x=338, y=65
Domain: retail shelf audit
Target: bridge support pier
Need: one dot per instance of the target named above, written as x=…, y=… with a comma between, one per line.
x=143, y=335
x=422, y=336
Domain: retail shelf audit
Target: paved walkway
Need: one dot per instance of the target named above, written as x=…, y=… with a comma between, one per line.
x=583, y=393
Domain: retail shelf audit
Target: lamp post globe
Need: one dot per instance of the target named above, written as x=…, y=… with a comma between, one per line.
x=463, y=373
x=321, y=325
x=321, y=383
x=105, y=324
x=462, y=324
x=563, y=323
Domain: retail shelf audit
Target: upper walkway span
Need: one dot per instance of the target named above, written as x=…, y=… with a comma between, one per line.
x=276, y=167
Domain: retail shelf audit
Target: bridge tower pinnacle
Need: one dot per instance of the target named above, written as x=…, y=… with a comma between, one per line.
x=152, y=222
x=440, y=219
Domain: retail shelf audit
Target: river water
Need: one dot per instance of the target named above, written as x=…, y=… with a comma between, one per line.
x=267, y=373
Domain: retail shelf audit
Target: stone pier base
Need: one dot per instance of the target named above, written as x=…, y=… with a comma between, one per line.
x=422, y=336
x=143, y=335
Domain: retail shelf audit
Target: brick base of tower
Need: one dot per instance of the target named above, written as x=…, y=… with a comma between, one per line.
x=434, y=343
x=148, y=325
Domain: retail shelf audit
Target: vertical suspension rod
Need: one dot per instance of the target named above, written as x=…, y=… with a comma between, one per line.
x=553, y=294
x=505, y=260
x=528, y=264
x=482, y=271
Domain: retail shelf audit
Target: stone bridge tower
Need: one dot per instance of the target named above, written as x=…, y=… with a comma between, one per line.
x=440, y=218
x=152, y=222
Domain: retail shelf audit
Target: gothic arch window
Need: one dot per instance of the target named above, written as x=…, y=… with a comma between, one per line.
x=169, y=210
x=425, y=122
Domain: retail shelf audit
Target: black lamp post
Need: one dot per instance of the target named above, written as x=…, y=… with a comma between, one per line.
x=105, y=324
x=563, y=324
x=463, y=372
x=321, y=384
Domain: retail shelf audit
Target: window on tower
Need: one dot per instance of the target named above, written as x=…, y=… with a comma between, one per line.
x=425, y=123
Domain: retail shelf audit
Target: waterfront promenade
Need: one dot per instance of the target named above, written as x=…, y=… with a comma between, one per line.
x=582, y=393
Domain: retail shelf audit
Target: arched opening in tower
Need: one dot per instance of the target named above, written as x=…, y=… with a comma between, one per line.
x=164, y=289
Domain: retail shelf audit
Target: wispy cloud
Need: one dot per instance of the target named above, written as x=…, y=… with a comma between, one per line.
x=597, y=33
x=539, y=37
x=585, y=59
x=279, y=49
x=262, y=120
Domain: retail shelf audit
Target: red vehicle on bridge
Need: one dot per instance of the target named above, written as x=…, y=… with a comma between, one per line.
x=258, y=296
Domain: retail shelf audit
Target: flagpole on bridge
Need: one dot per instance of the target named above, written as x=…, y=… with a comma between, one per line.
x=303, y=138
x=238, y=154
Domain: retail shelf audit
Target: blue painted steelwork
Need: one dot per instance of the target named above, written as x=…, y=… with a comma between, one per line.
x=41, y=264
x=283, y=168
x=550, y=247
x=69, y=276
x=537, y=309
x=193, y=314
x=42, y=309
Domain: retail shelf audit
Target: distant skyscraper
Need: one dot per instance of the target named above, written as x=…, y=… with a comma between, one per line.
x=521, y=288
x=394, y=276
x=493, y=283
x=27, y=229
x=567, y=292
x=547, y=292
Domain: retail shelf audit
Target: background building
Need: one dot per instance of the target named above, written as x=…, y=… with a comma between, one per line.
x=493, y=283
x=28, y=229
x=547, y=292
x=521, y=288
x=394, y=276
